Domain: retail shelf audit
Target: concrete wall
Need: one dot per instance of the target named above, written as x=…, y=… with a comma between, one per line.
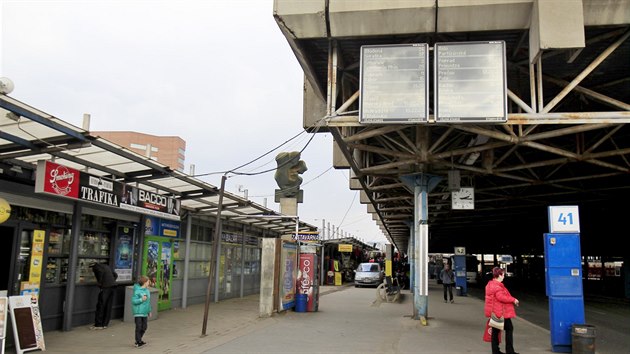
x=350, y=18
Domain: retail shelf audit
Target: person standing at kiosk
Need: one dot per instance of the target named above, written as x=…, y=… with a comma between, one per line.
x=106, y=279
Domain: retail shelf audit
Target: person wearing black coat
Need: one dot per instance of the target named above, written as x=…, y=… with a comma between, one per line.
x=106, y=279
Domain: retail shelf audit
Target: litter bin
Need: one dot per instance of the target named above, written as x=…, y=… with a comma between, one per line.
x=300, y=302
x=582, y=339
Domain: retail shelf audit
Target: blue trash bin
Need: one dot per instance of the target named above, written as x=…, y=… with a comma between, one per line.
x=300, y=302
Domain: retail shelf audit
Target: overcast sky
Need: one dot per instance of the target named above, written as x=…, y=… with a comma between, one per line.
x=218, y=74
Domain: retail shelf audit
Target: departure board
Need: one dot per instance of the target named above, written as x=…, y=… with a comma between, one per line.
x=394, y=84
x=470, y=82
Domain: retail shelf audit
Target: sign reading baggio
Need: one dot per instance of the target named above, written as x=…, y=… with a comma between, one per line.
x=63, y=181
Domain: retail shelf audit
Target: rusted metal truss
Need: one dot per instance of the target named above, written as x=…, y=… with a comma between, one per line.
x=566, y=141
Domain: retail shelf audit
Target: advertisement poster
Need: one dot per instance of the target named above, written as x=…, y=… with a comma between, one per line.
x=27, y=323
x=3, y=318
x=151, y=226
x=123, y=262
x=169, y=228
x=288, y=275
x=307, y=280
x=152, y=262
x=165, y=284
x=37, y=257
x=155, y=226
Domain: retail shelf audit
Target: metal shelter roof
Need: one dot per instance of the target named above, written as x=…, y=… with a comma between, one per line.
x=350, y=241
x=28, y=135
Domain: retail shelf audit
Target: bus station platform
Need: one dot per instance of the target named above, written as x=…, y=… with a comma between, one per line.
x=348, y=320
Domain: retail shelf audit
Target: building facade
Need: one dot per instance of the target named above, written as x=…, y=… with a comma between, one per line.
x=168, y=150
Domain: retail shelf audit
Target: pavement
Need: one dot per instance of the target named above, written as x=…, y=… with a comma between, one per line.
x=349, y=320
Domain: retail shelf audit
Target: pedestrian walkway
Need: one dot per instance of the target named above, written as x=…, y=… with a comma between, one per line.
x=349, y=320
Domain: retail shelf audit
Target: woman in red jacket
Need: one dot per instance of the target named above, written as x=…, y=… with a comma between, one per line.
x=501, y=303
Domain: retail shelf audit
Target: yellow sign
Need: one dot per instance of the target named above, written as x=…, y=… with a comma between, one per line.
x=338, y=278
x=345, y=248
x=5, y=210
x=168, y=232
x=37, y=253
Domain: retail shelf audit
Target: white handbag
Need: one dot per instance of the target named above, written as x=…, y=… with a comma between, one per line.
x=496, y=322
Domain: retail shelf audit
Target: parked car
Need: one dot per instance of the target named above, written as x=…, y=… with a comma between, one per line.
x=369, y=274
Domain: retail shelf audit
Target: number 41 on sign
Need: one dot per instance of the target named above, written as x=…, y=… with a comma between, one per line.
x=564, y=219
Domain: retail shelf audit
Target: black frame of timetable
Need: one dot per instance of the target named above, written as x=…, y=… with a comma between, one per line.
x=421, y=117
x=471, y=118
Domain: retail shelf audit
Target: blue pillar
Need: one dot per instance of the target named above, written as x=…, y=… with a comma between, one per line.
x=459, y=267
x=563, y=282
x=422, y=184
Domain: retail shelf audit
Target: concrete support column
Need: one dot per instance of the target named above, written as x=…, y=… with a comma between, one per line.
x=288, y=206
x=267, y=284
x=411, y=260
x=75, y=233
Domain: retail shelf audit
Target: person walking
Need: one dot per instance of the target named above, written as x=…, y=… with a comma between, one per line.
x=106, y=279
x=448, y=280
x=141, y=305
x=500, y=302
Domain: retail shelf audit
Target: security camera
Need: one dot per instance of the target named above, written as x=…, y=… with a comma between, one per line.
x=6, y=85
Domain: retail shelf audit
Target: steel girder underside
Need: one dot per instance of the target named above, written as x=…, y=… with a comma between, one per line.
x=565, y=143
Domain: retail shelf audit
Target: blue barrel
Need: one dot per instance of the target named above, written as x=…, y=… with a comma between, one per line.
x=300, y=302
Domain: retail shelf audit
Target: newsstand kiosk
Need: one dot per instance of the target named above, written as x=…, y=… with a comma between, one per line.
x=563, y=275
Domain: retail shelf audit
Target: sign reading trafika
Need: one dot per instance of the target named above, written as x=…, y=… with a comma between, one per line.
x=66, y=182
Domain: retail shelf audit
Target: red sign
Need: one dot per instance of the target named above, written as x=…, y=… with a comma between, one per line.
x=67, y=182
x=57, y=179
x=307, y=280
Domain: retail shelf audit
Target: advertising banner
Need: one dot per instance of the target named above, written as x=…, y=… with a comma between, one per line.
x=154, y=226
x=27, y=323
x=287, y=275
x=307, y=280
x=123, y=262
x=37, y=257
x=67, y=182
x=150, y=203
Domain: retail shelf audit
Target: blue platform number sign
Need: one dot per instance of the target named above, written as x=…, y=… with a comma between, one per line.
x=564, y=219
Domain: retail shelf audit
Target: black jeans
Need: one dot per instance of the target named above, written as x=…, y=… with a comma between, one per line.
x=104, y=307
x=509, y=339
x=141, y=327
x=449, y=288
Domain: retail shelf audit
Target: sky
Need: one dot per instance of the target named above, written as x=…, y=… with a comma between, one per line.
x=218, y=74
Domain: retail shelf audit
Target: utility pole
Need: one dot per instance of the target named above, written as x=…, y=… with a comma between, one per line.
x=215, y=255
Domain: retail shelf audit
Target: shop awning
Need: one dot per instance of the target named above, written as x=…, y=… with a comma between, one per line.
x=28, y=135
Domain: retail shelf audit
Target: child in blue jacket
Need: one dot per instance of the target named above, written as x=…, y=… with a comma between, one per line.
x=141, y=302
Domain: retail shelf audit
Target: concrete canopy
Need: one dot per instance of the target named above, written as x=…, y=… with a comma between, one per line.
x=565, y=142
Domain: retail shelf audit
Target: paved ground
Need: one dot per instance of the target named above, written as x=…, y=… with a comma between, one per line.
x=349, y=320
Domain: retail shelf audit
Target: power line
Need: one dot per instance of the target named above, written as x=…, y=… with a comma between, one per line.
x=305, y=183
x=318, y=125
x=347, y=211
